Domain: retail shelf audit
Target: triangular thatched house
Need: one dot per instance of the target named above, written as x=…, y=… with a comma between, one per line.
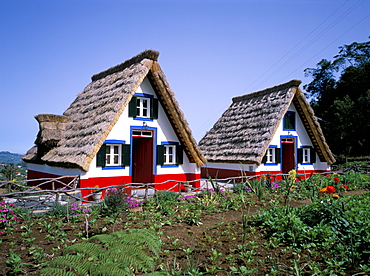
x=125, y=127
x=270, y=131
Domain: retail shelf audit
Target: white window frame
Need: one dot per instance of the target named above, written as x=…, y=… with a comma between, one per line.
x=169, y=154
x=306, y=155
x=141, y=109
x=270, y=155
x=113, y=158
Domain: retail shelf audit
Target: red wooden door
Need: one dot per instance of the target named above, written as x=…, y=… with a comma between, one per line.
x=142, y=160
x=288, y=158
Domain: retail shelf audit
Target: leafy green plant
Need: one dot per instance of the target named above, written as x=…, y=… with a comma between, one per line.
x=165, y=197
x=339, y=226
x=119, y=253
x=15, y=263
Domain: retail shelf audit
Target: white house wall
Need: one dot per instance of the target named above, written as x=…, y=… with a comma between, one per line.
x=163, y=133
x=302, y=140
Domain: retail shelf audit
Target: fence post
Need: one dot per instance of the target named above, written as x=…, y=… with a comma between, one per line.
x=146, y=191
x=57, y=197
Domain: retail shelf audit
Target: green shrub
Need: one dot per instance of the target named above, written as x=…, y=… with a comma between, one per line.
x=338, y=225
x=165, y=197
x=114, y=202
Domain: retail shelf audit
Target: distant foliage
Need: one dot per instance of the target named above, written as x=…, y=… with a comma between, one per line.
x=343, y=104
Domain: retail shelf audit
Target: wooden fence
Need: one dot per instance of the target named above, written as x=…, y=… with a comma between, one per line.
x=70, y=191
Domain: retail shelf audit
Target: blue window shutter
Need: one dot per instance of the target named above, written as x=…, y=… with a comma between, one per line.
x=300, y=156
x=277, y=155
x=179, y=155
x=125, y=155
x=160, y=154
x=154, y=108
x=132, y=107
x=100, y=156
x=312, y=155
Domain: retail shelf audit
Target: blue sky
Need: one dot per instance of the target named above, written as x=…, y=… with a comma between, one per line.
x=210, y=50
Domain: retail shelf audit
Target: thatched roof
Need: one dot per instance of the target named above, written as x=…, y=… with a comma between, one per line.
x=95, y=111
x=246, y=128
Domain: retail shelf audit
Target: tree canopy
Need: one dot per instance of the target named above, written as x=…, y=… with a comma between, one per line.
x=340, y=96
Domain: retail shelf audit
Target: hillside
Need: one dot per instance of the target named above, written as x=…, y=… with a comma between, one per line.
x=8, y=157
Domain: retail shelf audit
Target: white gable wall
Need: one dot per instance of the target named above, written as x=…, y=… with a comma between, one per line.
x=302, y=139
x=163, y=132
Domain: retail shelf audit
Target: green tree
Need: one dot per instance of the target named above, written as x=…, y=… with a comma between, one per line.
x=340, y=96
x=9, y=171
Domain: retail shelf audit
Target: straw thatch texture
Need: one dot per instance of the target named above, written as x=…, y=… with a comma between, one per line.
x=51, y=128
x=245, y=130
x=96, y=110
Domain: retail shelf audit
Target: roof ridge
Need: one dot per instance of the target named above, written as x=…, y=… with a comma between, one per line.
x=289, y=84
x=149, y=54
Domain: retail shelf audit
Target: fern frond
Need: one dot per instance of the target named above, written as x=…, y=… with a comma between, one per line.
x=105, y=239
x=129, y=257
x=157, y=273
x=140, y=237
x=89, y=249
x=111, y=270
x=75, y=263
x=52, y=271
x=115, y=254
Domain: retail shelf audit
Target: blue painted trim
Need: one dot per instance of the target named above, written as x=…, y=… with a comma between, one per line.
x=170, y=143
x=281, y=149
x=154, y=129
x=143, y=95
x=142, y=119
x=113, y=168
x=170, y=166
x=114, y=141
x=305, y=147
x=273, y=146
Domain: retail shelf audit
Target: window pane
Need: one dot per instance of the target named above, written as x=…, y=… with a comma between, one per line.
x=116, y=159
x=116, y=150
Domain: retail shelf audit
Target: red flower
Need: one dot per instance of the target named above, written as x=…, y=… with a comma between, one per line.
x=345, y=186
x=330, y=189
x=336, y=179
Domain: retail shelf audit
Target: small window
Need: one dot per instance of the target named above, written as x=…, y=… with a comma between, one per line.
x=113, y=155
x=270, y=155
x=306, y=155
x=143, y=107
x=169, y=154
x=289, y=121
